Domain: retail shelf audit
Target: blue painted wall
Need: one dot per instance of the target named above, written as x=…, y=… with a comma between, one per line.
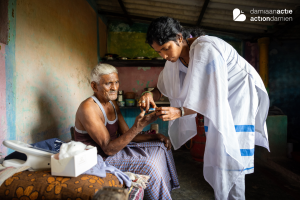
x=284, y=82
x=10, y=67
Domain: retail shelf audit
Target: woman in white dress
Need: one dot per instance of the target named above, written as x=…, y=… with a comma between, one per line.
x=206, y=75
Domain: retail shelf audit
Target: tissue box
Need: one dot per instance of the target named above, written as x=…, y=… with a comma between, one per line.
x=76, y=165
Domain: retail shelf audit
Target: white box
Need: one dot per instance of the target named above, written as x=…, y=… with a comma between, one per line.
x=76, y=165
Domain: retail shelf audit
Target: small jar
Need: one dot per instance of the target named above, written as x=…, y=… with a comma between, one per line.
x=121, y=103
x=154, y=127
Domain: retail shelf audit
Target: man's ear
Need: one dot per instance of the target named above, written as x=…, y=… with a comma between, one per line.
x=94, y=86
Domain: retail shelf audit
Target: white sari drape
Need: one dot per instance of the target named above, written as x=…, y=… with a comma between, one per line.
x=205, y=89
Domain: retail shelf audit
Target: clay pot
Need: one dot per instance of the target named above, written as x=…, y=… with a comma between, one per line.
x=130, y=95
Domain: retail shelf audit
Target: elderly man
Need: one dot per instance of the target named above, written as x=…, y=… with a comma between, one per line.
x=100, y=123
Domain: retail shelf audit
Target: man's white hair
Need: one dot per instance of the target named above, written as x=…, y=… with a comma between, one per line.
x=102, y=69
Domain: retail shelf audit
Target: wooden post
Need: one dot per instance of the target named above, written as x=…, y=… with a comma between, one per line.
x=264, y=59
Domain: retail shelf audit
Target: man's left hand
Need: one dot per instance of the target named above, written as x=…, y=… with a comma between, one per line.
x=165, y=140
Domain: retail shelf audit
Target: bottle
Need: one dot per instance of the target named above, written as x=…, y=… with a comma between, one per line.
x=121, y=101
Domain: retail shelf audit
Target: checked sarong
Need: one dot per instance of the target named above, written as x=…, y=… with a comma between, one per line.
x=149, y=158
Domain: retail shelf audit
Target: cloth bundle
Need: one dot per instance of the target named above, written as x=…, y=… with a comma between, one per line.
x=138, y=180
x=101, y=168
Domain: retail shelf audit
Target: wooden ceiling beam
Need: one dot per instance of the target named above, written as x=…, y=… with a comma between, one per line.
x=125, y=12
x=288, y=26
x=205, y=4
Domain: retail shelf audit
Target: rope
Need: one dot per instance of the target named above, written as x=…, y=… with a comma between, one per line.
x=191, y=144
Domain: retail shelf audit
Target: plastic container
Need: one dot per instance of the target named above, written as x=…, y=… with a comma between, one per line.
x=130, y=102
x=36, y=159
x=121, y=103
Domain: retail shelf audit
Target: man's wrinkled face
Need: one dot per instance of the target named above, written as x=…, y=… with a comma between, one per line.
x=108, y=86
x=169, y=51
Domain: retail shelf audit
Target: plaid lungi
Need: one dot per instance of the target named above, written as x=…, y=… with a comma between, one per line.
x=149, y=158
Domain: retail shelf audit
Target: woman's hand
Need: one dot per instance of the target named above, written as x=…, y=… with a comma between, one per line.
x=146, y=101
x=143, y=120
x=165, y=140
x=168, y=113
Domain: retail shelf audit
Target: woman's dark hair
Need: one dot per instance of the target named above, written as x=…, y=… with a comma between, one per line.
x=165, y=29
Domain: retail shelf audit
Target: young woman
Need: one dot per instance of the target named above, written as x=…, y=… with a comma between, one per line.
x=204, y=74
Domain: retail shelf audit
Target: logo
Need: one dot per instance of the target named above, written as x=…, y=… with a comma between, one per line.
x=238, y=15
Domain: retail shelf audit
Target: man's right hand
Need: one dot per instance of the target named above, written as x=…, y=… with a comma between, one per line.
x=143, y=120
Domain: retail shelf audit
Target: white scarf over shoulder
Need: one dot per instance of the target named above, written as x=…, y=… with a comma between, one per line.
x=205, y=90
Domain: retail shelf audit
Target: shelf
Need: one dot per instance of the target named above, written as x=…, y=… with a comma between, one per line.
x=129, y=107
x=165, y=104
x=136, y=63
x=162, y=102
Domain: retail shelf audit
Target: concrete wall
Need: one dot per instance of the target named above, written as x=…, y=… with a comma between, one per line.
x=102, y=29
x=3, y=122
x=277, y=135
x=128, y=41
x=3, y=21
x=284, y=82
x=135, y=79
x=45, y=67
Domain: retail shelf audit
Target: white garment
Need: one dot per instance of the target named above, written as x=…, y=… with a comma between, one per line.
x=138, y=180
x=237, y=192
x=103, y=112
x=226, y=89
